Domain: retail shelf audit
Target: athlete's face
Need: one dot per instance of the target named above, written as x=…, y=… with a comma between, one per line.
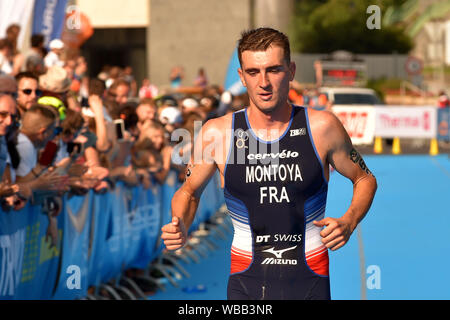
x=266, y=75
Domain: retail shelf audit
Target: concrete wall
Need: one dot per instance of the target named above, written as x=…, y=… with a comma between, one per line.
x=194, y=34
x=199, y=33
x=273, y=13
x=116, y=14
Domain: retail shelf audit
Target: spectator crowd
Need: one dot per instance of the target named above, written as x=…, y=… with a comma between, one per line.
x=65, y=133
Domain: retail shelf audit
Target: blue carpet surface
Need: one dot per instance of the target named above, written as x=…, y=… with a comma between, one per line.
x=403, y=249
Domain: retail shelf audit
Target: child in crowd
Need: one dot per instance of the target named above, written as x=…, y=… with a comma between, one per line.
x=155, y=133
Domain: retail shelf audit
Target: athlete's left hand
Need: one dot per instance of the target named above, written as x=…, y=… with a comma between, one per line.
x=336, y=232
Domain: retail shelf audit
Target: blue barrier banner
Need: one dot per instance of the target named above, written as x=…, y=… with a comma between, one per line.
x=210, y=201
x=135, y=203
x=142, y=227
x=152, y=233
x=76, y=217
x=113, y=248
x=48, y=18
x=443, y=131
x=99, y=236
x=29, y=266
x=14, y=236
x=101, y=215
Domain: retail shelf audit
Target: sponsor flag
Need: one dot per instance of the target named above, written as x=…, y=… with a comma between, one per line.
x=48, y=18
x=233, y=83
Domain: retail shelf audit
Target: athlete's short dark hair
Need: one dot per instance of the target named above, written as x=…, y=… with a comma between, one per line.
x=262, y=38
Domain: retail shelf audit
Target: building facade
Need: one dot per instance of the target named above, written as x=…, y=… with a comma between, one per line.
x=152, y=36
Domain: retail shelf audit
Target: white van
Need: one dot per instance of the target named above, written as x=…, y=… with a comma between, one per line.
x=351, y=96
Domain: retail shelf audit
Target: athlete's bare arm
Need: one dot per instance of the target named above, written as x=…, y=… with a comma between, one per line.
x=208, y=155
x=335, y=147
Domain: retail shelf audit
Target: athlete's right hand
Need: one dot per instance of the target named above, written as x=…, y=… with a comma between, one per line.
x=174, y=234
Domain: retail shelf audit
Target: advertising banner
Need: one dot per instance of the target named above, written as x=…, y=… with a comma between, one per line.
x=406, y=122
x=358, y=121
x=443, y=121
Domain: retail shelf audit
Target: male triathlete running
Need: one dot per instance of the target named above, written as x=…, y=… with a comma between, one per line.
x=274, y=168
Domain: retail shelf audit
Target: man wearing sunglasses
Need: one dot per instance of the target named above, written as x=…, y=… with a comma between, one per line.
x=28, y=92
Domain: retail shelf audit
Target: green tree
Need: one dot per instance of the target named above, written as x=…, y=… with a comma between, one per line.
x=326, y=26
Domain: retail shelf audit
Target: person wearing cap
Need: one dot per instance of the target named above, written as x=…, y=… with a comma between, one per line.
x=171, y=118
x=55, y=84
x=53, y=57
x=189, y=104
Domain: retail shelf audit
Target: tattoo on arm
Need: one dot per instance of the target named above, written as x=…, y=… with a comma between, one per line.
x=356, y=158
x=188, y=171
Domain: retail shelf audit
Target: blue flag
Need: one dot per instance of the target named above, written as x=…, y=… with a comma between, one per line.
x=232, y=81
x=48, y=18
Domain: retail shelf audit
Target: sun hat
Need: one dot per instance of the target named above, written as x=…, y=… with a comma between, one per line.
x=55, y=80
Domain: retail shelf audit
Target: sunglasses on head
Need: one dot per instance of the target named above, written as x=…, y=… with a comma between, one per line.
x=37, y=92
